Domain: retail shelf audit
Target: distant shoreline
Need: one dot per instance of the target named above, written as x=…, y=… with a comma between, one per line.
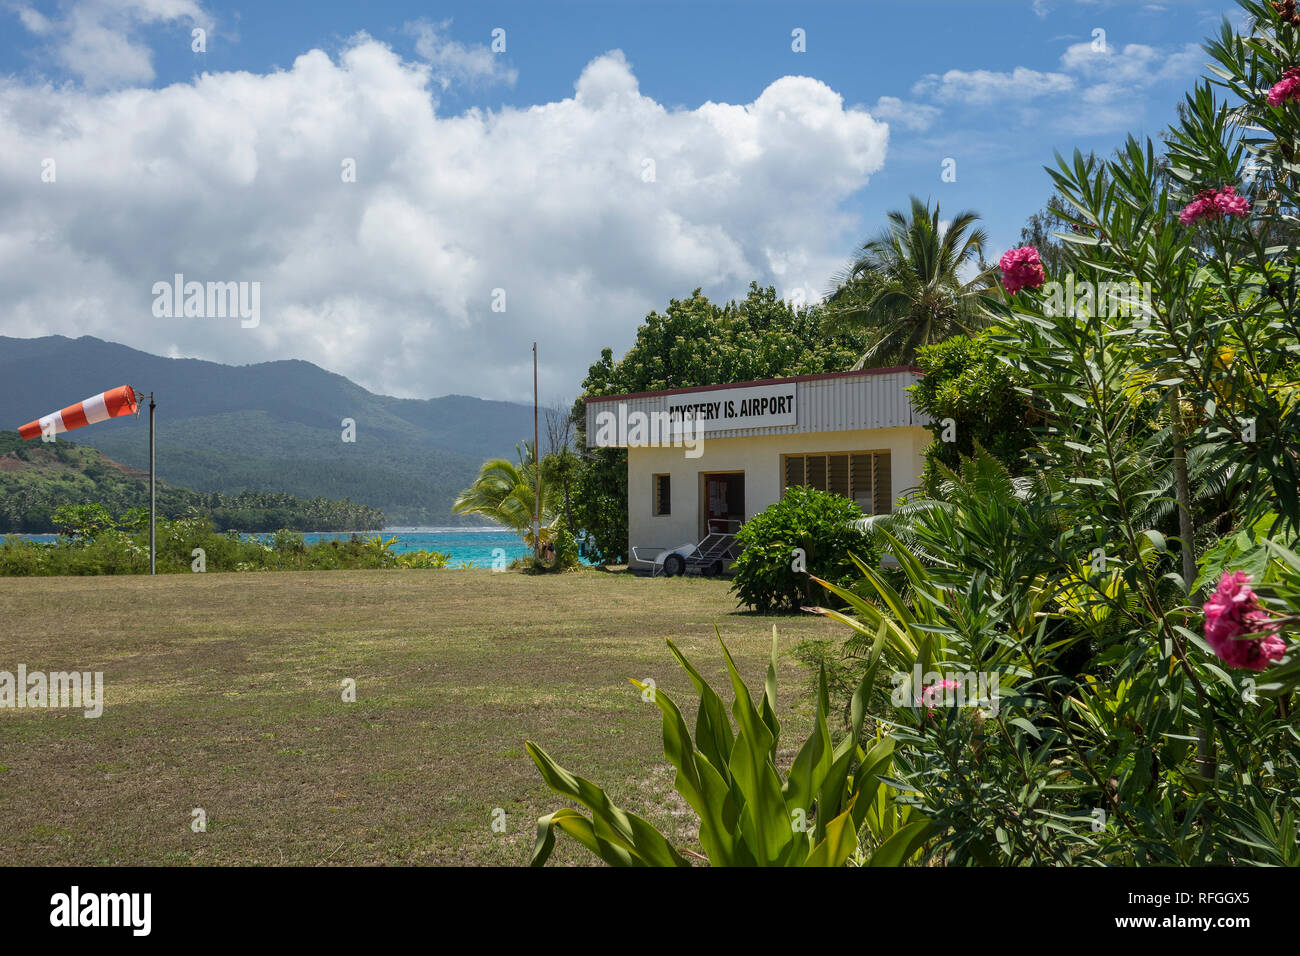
x=475, y=529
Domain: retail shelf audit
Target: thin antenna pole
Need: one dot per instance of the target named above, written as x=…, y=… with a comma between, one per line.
x=537, y=466
x=153, y=494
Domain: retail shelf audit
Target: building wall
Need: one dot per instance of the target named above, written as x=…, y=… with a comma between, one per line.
x=759, y=457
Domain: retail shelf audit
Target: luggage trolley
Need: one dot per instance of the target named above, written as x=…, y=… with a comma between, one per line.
x=707, y=558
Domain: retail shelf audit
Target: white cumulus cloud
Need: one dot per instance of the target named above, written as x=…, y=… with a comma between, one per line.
x=580, y=214
x=909, y=115
x=455, y=62
x=986, y=87
x=1133, y=63
x=98, y=41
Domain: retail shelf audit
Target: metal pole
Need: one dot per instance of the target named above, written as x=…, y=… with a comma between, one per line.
x=153, y=497
x=537, y=466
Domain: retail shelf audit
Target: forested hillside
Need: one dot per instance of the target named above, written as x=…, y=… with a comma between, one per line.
x=37, y=477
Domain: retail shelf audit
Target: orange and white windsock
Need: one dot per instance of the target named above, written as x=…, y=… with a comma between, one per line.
x=111, y=404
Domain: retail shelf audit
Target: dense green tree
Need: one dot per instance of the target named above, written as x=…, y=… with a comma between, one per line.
x=973, y=399
x=560, y=471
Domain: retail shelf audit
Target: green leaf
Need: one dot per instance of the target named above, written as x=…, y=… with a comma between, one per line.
x=1025, y=724
x=702, y=786
x=1152, y=539
x=764, y=823
x=840, y=842
x=579, y=827
x=713, y=735
x=900, y=847
x=811, y=764
x=866, y=780
x=643, y=842
x=769, y=697
x=858, y=708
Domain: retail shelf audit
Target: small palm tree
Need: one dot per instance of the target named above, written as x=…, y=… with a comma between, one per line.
x=905, y=286
x=505, y=491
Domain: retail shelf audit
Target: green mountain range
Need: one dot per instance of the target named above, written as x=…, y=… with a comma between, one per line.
x=269, y=427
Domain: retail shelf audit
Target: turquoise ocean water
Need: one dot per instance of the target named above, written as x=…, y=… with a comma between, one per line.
x=475, y=545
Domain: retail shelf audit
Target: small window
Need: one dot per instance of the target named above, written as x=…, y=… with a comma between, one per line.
x=883, y=491
x=837, y=475
x=663, y=487
x=862, y=476
x=815, y=472
x=793, y=470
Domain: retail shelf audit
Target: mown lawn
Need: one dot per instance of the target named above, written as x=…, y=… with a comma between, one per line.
x=223, y=691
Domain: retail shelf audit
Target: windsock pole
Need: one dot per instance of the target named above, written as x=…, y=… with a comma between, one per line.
x=153, y=497
x=537, y=468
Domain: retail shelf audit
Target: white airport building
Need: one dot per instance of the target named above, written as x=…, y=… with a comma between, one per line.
x=704, y=460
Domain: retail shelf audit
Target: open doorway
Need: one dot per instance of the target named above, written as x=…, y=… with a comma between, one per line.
x=723, y=500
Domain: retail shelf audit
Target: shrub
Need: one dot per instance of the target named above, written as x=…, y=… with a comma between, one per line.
x=83, y=521
x=93, y=543
x=20, y=557
x=286, y=541
x=967, y=383
x=424, y=559
x=772, y=574
x=566, y=558
x=566, y=547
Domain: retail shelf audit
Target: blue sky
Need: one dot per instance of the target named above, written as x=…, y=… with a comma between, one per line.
x=484, y=171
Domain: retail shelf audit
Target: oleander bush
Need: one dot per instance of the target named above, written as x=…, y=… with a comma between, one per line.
x=1094, y=662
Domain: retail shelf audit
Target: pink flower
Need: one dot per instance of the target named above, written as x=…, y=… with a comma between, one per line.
x=1234, y=610
x=936, y=693
x=1287, y=88
x=1194, y=210
x=1213, y=203
x=1021, y=268
x=1231, y=204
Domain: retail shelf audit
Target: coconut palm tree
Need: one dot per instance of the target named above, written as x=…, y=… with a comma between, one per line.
x=505, y=491
x=905, y=286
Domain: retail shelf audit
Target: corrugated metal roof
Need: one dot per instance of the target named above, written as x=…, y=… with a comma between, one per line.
x=872, y=399
x=815, y=377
